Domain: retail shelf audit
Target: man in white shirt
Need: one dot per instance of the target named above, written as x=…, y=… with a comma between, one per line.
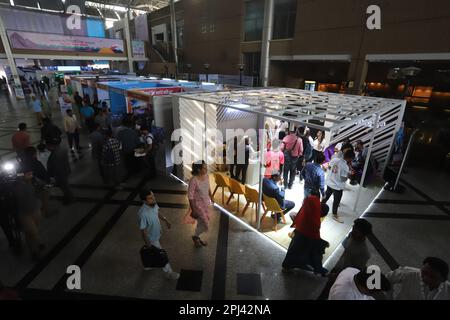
x=428, y=283
x=339, y=171
x=352, y=284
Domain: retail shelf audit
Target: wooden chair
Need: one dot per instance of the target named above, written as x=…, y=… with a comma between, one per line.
x=273, y=206
x=223, y=182
x=236, y=188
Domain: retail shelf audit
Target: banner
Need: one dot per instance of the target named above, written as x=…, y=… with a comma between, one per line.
x=55, y=42
x=138, y=49
x=147, y=93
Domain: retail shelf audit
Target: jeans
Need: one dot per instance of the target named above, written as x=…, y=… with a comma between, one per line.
x=290, y=169
x=74, y=137
x=337, y=196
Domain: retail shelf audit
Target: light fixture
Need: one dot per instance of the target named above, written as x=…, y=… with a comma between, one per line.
x=9, y=166
x=207, y=83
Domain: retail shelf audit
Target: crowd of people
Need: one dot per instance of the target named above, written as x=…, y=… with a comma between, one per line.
x=291, y=152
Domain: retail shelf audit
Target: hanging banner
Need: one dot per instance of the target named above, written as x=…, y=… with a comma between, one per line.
x=55, y=42
x=138, y=49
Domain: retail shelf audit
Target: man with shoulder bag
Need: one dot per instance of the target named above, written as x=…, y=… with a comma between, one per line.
x=292, y=147
x=152, y=255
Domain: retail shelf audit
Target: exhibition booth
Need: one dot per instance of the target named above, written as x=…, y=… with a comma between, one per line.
x=208, y=122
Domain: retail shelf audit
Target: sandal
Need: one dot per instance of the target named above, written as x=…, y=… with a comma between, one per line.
x=197, y=242
x=204, y=243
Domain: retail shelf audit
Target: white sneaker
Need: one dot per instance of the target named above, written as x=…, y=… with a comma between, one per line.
x=172, y=275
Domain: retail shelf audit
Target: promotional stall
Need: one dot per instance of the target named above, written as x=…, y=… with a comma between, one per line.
x=205, y=119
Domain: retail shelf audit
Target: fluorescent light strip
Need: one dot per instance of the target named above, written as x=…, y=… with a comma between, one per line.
x=232, y=216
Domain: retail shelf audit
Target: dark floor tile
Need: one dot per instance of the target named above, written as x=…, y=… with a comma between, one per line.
x=249, y=284
x=190, y=280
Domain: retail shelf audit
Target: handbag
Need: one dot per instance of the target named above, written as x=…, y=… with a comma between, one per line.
x=153, y=257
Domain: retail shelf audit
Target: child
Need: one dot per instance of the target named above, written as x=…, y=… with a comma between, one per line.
x=356, y=252
x=150, y=226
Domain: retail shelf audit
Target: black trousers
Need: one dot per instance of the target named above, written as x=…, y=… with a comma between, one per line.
x=232, y=171
x=337, y=196
x=74, y=137
x=241, y=171
x=8, y=229
x=290, y=169
x=62, y=182
x=130, y=163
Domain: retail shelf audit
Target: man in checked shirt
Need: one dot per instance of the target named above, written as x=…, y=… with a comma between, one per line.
x=111, y=160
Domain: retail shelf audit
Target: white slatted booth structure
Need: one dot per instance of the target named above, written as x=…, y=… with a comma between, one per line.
x=373, y=120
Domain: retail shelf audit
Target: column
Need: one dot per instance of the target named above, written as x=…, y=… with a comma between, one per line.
x=173, y=26
x=265, y=44
x=12, y=63
x=126, y=29
x=357, y=73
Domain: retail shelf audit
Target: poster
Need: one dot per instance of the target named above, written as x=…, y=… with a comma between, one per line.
x=138, y=49
x=56, y=42
x=133, y=104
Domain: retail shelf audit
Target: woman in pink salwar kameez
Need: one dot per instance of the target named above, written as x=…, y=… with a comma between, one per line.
x=200, y=198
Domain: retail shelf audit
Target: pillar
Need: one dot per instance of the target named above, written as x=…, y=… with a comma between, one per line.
x=173, y=26
x=265, y=44
x=12, y=63
x=357, y=74
x=127, y=32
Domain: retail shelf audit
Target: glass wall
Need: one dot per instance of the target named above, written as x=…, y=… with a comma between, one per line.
x=285, y=13
x=253, y=20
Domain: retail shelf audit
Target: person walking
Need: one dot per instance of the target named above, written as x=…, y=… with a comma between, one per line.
x=428, y=283
x=46, y=109
x=352, y=284
x=336, y=180
x=41, y=178
x=97, y=140
x=28, y=212
x=49, y=131
x=292, y=147
x=147, y=140
x=88, y=114
x=314, y=176
x=58, y=167
x=20, y=140
x=200, y=198
x=149, y=219
x=129, y=138
x=307, y=248
x=71, y=126
x=37, y=108
x=111, y=160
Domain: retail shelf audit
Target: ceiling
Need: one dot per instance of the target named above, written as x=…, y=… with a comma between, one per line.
x=147, y=5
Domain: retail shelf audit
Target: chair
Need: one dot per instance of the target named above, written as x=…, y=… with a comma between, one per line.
x=273, y=206
x=252, y=197
x=236, y=188
x=223, y=182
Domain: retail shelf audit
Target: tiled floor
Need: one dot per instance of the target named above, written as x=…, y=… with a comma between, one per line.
x=99, y=233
